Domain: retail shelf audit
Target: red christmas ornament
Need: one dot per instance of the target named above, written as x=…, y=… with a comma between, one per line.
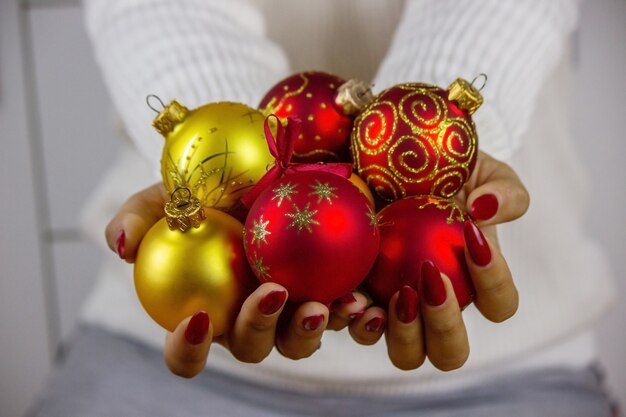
x=325, y=112
x=417, y=139
x=314, y=233
x=413, y=230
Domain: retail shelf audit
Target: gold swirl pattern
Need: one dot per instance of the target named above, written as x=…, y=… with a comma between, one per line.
x=383, y=183
x=422, y=110
x=412, y=157
x=412, y=140
x=375, y=126
x=455, y=139
x=449, y=181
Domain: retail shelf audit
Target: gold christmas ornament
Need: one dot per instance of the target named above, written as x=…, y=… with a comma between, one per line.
x=183, y=210
x=204, y=268
x=218, y=151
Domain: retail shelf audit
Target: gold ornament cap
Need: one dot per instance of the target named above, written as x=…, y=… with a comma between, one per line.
x=465, y=95
x=171, y=115
x=183, y=211
x=353, y=95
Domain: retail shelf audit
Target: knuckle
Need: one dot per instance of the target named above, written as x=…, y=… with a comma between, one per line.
x=444, y=329
x=249, y=355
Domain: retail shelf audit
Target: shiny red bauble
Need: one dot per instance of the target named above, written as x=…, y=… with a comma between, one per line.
x=412, y=139
x=311, y=97
x=314, y=233
x=413, y=230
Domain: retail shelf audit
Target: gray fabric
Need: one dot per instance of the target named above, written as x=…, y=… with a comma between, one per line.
x=104, y=375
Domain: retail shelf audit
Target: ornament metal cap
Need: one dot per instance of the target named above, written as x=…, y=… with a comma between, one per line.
x=353, y=95
x=465, y=95
x=171, y=115
x=183, y=210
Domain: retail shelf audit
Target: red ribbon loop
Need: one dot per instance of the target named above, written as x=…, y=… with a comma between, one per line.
x=281, y=146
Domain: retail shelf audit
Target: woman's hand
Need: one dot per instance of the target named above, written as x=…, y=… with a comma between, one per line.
x=430, y=324
x=255, y=331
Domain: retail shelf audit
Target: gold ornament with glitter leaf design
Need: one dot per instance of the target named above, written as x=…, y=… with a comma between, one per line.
x=218, y=151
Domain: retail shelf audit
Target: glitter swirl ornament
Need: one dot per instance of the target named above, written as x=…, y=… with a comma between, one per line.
x=325, y=104
x=417, y=139
x=193, y=259
x=218, y=151
x=313, y=232
x=413, y=230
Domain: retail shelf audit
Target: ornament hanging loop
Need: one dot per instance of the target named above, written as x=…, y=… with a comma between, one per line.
x=150, y=97
x=482, y=76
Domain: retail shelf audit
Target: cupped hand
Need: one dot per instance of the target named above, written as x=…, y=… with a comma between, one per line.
x=256, y=329
x=428, y=322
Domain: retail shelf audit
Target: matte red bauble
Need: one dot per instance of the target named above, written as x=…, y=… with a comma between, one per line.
x=314, y=233
x=413, y=230
x=311, y=97
x=417, y=139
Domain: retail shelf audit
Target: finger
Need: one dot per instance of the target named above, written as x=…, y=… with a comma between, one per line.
x=495, y=193
x=187, y=348
x=301, y=337
x=346, y=309
x=496, y=295
x=405, y=343
x=134, y=219
x=253, y=334
x=369, y=328
x=447, y=346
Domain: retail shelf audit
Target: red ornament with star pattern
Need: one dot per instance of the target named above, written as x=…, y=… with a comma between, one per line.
x=313, y=232
x=413, y=230
x=311, y=97
x=417, y=139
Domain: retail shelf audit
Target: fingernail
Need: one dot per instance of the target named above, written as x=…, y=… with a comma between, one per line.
x=375, y=325
x=198, y=328
x=484, y=207
x=433, y=288
x=356, y=315
x=346, y=299
x=313, y=322
x=272, y=302
x=477, y=245
x=120, y=244
x=406, y=306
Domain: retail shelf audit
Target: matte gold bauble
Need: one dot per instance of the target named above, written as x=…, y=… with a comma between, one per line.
x=204, y=268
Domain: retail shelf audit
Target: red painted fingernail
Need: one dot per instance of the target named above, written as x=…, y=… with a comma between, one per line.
x=313, y=322
x=356, y=315
x=346, y=299
x=477, y=245
x=406, y=306
x=375, y=325
x=433, y=288
x=272, y=302
x=198, y=328
x=120, y=244
x=484, y=207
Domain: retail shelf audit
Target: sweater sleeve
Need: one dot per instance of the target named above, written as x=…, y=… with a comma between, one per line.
x=195, y=51
x=515, y=43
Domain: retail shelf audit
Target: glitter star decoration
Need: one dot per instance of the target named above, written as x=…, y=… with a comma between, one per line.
x=323, y=191
x=262, y=271
x=371, y=214
x=302, y=219
x=259, y=231
x=284, y=191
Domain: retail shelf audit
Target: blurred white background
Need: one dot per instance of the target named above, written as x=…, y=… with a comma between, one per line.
x=57, y=139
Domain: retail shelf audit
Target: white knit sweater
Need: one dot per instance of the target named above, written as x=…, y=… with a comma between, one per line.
x=209, y=50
